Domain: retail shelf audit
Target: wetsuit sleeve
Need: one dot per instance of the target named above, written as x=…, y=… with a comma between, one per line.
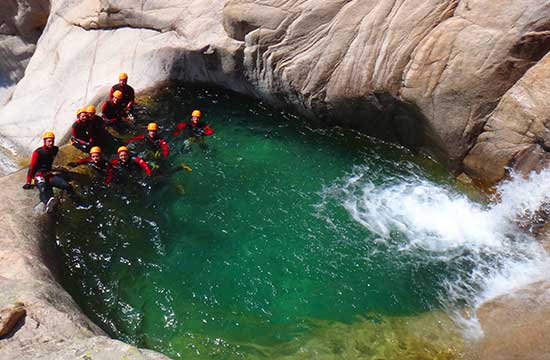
x=84, y=161
x=208, y=130
x=179, y=127
x=143, y=165
x=109, y=173
x=111, y=93
x=136, y=138
x=32, y=167
x=164, y=148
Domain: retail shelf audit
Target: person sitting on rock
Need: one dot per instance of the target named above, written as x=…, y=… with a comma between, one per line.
x=154, y=144
x=194, y=130
x=98, y=133
x=120, y=170
x=128, y=95
x=40, y=170
x=80, y=137
x=113, y=113
x=95, y=161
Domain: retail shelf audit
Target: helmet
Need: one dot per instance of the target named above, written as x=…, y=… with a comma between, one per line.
x=122, y=149
x=90, y=109
x=196, y=113
x=95, y=150
x=117, y=94
x=48, y=135
x=123, y=76
x=80, y=111
x=152, y=127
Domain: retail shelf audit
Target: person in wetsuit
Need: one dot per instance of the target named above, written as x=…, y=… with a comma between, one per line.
x=125, y=166
x=99, y=136
x=154, y=144
x=113, y=113
x=193, y=130
x=80, y=136
x=95, y=161
x=40, y=170
x=128, y=94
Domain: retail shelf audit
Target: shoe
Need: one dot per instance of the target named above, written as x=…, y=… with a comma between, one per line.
x=83, y=206
x=50, y=205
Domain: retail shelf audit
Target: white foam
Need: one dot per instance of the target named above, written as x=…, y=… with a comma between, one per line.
x=441, y=223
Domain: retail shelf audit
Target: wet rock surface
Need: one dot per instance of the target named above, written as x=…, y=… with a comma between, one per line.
x=50, y=325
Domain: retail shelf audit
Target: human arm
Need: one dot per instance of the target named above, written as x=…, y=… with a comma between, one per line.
x=179, y=128
x=164, y=148
x=32, y=170
x=143, y=164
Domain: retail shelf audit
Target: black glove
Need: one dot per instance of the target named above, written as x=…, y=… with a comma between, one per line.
x=27, y=186
x=72, y=164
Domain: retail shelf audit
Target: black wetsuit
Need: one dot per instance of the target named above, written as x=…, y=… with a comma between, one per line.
x=40, y=170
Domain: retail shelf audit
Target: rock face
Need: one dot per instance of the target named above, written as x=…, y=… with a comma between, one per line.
x=429, y=74
x=53, y=326
x=516, y=325
x=21, y=24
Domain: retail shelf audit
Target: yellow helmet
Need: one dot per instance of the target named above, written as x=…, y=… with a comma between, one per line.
x=95, y=150
x=122, y=149
x=152, y=127
x=48, y=135
x=117, y=94
x=123, y=76
x=196, y=113
x=80, y=111
x=90, y=109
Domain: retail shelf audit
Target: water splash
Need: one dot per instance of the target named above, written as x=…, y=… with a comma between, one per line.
x=430, y=222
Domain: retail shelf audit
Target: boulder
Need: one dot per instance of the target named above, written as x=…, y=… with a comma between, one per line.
x=50, y=325
x=516, y=325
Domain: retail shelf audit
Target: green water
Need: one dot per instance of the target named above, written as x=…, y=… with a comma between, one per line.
x=245, y=256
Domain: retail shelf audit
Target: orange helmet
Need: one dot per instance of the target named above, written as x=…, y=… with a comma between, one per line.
x=90, y=109
x=95, y=150
x=117, y=94
x=152, y=127
x=48, y=135
x=123, y=76
x=196, y=113
x=80, y=111
x=122, y=149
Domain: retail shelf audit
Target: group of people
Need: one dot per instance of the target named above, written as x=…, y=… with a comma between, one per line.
x=90, y=135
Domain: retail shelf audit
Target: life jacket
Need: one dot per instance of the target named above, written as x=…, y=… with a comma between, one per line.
x=41, y=162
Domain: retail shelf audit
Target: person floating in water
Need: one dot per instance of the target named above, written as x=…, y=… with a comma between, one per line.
x=95, y=161
x=80, y=136
x=40, y=170
x=193, y=131
x=120, y=170
x=154, y=144
x=128, y=94
x=113, y=113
